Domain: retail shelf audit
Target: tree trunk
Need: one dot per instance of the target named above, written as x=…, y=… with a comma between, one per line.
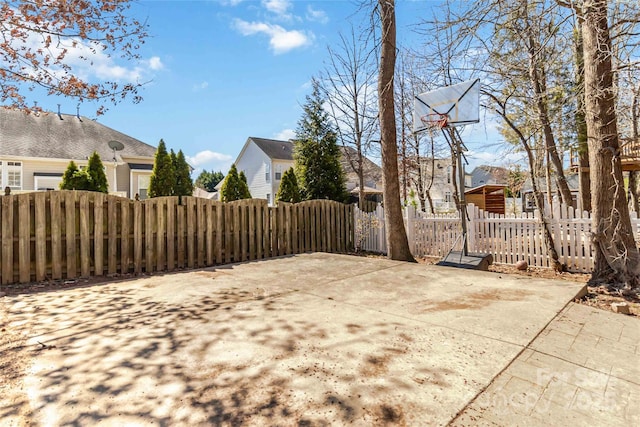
x=584, y=182
x=539, y=84
x=633, y=175
x=396, y=235
x=616, y=256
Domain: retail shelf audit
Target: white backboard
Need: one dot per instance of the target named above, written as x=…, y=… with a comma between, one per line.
x=459, y=102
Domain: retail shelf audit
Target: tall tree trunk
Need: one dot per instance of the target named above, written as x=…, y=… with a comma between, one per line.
x=538, y=81
x=396, y=235
x=633, y=175
x=616, y=256
x=584, y=182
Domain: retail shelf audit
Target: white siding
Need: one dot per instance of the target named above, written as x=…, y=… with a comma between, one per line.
x=253, y=162
x=279, y=166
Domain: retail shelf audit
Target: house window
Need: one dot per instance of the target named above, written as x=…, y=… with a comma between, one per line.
x=143, y=185
x=11, y=175
x=448, y=174
x=278, y=172
x=447, y=197
x=269, y=198
x=267, y=172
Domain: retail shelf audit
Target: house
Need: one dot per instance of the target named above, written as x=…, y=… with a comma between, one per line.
x=264, y=161
x=437, y=180
x=528, y=202
x=35, y=150
x=489, y=175
x=371, y=172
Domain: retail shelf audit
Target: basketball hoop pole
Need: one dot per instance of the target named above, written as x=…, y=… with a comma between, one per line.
x=456, y=146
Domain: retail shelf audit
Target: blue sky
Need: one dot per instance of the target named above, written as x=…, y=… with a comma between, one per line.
x=221, y=71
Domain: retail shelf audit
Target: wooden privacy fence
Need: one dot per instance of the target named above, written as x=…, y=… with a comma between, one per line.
x=71, y=234
x=509, y=238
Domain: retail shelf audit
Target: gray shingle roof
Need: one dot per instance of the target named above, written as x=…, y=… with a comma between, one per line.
x=275, y=149
x=372, y=173
x=62, y=137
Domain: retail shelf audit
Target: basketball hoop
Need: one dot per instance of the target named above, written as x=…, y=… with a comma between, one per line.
x=435, y=120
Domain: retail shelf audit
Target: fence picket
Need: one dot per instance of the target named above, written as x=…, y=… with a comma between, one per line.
x=56, y=235
x=70, y=233
x=40, y=207
x=24, y=239
x=98, y=231
x=85, y=236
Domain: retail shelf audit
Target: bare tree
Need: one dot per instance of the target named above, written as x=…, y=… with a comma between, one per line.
x=396, y=236
x=348, y=83
x=500, y=108
x=616, y=257
x=40, y=38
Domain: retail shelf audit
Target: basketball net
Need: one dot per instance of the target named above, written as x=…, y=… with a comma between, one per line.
x=435, y=121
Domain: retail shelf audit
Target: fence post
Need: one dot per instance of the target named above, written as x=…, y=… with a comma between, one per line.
x=409, y=221
x=471, y=227
x=382, y=239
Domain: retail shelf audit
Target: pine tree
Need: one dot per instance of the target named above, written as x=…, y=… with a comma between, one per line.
x=68, y=181
x=289, y=190
x=91, y=178
x=316, y=153
x=163, y=178
x=244, y=188
x=184, y=184
x=95, y=170
x=208, y=180
x=234, y=187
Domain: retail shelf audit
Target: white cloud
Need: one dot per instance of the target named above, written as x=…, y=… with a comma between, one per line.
x=317, y=15
x=155, y=63
x=206, y=157
x=279, y=7
x=285, y=134
x=200, y=86
x=280, y=40
x=88, y=60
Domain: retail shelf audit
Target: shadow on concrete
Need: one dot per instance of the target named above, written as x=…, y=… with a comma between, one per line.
x=230, y=357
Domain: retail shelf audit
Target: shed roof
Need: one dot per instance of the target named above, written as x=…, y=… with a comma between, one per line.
x=486, y=189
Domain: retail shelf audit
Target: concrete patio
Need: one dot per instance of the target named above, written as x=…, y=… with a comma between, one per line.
x=312, y=339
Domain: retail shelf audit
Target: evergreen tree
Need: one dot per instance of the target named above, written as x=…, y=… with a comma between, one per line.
x=234, y=187
x=316, y=153
x=208, y=180
x=163, y=178
x=184, y=184
x=246, y=194
x=68, y=180
x=91, y=178
x=95, y=170
x=289, y=190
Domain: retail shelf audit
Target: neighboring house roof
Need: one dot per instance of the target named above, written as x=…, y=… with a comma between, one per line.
x=64, y=136
x=275, y=149
x=372, y=172
x=572, y=181
x=486, y=174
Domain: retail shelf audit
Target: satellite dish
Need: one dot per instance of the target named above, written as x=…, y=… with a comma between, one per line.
x=116, y=145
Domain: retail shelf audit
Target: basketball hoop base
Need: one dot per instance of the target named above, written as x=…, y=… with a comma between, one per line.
x=470, y=261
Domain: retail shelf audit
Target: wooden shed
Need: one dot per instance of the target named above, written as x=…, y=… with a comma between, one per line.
x=489, y=197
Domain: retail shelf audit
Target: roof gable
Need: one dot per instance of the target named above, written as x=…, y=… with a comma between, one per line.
x=275, y=149
x=64, y=136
